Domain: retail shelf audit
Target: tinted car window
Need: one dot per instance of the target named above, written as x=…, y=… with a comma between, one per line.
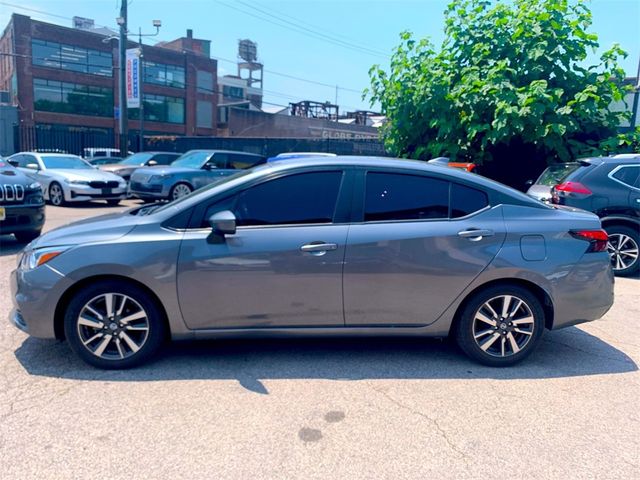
x=627, y=175
x=296, y=199
x=165, y=159
x=219, y=160
x=241, y=162
x=466, y=200
x=405, y=197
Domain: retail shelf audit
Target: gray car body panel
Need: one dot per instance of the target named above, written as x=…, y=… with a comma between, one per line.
x=263, y=286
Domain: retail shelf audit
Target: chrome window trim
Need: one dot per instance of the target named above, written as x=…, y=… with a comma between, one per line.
x=620, y=167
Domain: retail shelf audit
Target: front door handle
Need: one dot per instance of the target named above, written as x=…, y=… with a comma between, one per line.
x=318, y=248
x=476, y=234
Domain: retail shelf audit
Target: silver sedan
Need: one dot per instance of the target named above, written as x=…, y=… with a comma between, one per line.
x=328, y=246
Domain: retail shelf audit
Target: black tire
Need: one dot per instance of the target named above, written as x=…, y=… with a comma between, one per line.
x=53, y=198
x=633, y=243
x=26, y=237
x=180, y=185
x=467, y=327
x=111, y=357
x=113, y=203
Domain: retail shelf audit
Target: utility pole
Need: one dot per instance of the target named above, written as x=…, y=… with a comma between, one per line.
x=122, y=123
x=141, y=142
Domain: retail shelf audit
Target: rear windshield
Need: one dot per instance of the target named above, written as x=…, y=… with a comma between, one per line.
x=554, y=174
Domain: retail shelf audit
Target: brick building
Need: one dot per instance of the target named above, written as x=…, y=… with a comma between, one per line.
x=67, y=79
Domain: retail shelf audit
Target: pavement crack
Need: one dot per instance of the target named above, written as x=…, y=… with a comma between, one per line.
x=431, y=420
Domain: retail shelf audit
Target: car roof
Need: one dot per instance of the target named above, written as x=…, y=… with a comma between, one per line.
x=52, y=154
x=622, y=158
x=221, y=151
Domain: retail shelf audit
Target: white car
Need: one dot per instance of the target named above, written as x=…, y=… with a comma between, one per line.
x=69, y=178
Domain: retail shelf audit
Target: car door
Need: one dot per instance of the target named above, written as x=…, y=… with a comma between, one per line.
x=415, y=250
x=282, y=267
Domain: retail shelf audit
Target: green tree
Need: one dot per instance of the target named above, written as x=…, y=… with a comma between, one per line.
x=508, y=78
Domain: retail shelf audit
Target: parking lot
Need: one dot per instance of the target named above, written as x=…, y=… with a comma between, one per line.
x=378, y=408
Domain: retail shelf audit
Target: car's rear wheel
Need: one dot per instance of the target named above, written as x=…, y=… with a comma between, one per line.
x=179, y=190
x=500, y=326
x=56, y=194
x=25, y=237
x=623, y=247
x=114, y=325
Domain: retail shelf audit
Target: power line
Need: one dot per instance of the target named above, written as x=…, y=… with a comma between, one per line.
x=314, y=31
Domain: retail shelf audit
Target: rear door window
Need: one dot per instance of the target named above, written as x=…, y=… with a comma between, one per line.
x=242, y=162
x=466, y=200
x=392, y=196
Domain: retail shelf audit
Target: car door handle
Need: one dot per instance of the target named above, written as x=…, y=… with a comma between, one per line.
x=318, y=248
x=475, y=234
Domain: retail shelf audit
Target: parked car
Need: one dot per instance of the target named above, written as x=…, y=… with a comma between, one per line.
x=336, y=246
x=551, y=176
x=610, y=188
x=292, y=155
x=21, y=204
x=191, y=171
x=126, y=167
x=69, y=178
x=97, y=161
x=93, y=152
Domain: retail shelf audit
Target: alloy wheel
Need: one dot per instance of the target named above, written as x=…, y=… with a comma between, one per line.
x=180, y=190
x=113, y=326
x=623, y=251
x=503, y=326
x=56, y=195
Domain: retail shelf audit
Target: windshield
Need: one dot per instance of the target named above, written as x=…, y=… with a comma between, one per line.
x=136, y=159
x=60, y=161
x=192, y=160
x=554, y=174
x=217, y=183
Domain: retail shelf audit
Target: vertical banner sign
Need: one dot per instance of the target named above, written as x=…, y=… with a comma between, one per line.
x=133, y=78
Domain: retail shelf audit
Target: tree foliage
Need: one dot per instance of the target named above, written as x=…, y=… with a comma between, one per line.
x=506, y=73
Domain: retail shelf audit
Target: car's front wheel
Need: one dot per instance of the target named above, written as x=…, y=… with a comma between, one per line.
x=56, y=194
x=624, y=250
x=114, y=325
x=500, y=326
x=180, y=190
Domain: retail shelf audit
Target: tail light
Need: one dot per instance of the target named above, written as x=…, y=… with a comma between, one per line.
x=597, y=239
x=572, y=187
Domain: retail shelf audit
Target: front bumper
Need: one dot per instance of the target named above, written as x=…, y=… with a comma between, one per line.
x=148, y=190
x=81, y=193
x=35, y=295
x=22, y=218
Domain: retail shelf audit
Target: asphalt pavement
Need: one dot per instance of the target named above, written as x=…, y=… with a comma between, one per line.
x=339, y=409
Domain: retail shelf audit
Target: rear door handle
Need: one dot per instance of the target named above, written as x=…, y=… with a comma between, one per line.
x=476, y=234
x=318, y=248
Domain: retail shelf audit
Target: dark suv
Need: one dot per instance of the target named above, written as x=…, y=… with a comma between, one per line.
x=21, y=204
x=610, y=188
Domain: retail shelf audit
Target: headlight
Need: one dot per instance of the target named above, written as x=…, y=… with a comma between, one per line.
x=34, y=258
x=157, y=178
x=77, y=182
x=34, y=186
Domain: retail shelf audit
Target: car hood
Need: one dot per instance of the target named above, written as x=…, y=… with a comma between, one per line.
x=164, y=170
x=108, y=227
x=82, y=174
x=112, y=167
x=14, y=176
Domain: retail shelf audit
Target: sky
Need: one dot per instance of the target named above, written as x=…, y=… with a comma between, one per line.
x=324, y=43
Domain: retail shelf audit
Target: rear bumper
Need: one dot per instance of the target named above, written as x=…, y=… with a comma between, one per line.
x=22, y=218
x=586, y=293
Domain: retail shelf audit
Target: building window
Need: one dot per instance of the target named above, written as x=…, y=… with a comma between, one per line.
x=204, y=82
x=233, y=92
x=64, y=97
x=165, y=75
x=69, y=57
x=160, y=108
x=204, y=114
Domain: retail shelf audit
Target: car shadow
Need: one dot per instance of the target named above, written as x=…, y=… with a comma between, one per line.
x=9, y=245
x=566, y=353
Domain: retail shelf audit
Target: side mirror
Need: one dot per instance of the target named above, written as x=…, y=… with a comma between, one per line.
x=152, y=163
x=528, y=183
x=33, y=166
x=223, y=223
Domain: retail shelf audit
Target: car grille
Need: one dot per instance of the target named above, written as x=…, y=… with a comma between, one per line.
x=11, y=193
x=100, y=184
x=141, y=187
